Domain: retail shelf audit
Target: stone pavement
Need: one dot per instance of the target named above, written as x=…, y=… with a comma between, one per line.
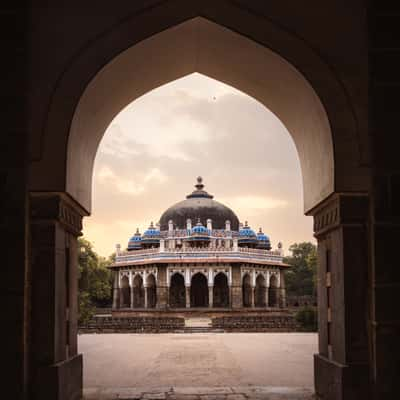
x=201, y=393
x=209, y=360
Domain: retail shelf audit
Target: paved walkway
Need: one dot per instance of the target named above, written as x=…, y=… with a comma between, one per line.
x=232, y=366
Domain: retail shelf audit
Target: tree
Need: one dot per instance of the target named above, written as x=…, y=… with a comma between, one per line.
x=95, y=280
x=301, y=277
x=307, y=318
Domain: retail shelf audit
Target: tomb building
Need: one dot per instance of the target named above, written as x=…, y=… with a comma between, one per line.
x=199, y=256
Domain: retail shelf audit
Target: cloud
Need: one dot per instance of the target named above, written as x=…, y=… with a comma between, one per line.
x=155, y=174
x=253, y=205
x=107, y=177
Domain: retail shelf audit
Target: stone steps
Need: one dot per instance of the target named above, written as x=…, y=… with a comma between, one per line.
x=201, y=329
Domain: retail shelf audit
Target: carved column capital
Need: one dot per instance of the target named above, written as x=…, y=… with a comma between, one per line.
x=57, y=207
x=340, y=209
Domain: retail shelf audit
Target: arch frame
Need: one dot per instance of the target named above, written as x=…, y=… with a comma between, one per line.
x=71, y=119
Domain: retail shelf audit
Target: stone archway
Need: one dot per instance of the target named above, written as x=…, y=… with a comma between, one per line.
x=138, y=292
x=125, y=292
x=220, y=290
x=273, y=292
x=151, y=291
x=260, y=291
x=177, y=291
x=247, y=291
x=335, y=179
x=199, y=291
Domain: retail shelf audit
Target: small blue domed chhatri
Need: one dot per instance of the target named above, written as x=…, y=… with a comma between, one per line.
x=135, y=242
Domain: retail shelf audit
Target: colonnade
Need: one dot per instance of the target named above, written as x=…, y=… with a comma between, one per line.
x=206, y=287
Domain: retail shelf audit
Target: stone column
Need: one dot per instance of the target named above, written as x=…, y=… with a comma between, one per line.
x=131, y=289
x=282, y=291
x=236, y=287
x=341, y=368
x=146, y=297
x=115, y=304
x=267, y=296
x=187, y=289
x=162, y=288
x=253, y=290
x=55, y=224
x=210, y=296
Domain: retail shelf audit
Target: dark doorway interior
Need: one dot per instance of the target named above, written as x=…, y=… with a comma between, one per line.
x=273, y=292
x=125, y=292
x=138, y=292
x=199, y=291
x=260, y=292
x=151, y=291
x=177, y=291
x=221, y=291
x=246, y=289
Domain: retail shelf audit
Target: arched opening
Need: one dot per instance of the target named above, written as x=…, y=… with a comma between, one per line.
x=221, y=291
x=177, y=295
x=273, y=291
x=260, y=77
x=151, y=291
x=246, y=290
x=125, y=292
x=138, y=292
x=260, y=291
x=199, y=291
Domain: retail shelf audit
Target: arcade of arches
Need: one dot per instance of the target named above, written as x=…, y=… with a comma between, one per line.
x=131, y=293
x=331, y=78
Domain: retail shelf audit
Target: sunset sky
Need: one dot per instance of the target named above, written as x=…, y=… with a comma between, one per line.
x=155, y=148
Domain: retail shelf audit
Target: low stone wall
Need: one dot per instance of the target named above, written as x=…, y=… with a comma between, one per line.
x=284, y=323
x=132, y=325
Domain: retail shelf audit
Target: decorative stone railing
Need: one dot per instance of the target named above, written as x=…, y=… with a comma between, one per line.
x=213, y=254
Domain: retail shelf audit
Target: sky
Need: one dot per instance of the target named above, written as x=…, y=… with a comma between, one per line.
x=154, y=149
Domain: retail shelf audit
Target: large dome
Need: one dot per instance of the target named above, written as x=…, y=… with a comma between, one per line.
x=199, y=205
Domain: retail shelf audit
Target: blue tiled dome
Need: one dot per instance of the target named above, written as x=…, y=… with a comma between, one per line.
x=199, y=232
x=246, y=231
x=151, y=235
x=135, y=242
x=263, y=240
x=152, y=231
x=247, y=235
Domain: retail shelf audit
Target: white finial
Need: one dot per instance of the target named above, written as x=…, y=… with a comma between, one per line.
x=188, y=224
x=227, y=225
x=209, y=224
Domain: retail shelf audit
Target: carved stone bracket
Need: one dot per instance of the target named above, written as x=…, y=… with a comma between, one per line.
x=57, y=207
x=340, y=209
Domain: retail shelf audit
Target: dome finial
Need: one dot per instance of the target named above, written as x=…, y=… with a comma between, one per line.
x=199, y=185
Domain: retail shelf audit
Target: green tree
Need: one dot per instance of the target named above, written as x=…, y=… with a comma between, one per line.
x=308, y=319
x=95, y=280
x=301, y=277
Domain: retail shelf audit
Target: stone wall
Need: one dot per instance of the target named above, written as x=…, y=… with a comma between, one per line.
x=284, y=323
x=132, y=325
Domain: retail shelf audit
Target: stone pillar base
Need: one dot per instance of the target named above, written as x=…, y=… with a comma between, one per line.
x=334, y=381
x=61, y=381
